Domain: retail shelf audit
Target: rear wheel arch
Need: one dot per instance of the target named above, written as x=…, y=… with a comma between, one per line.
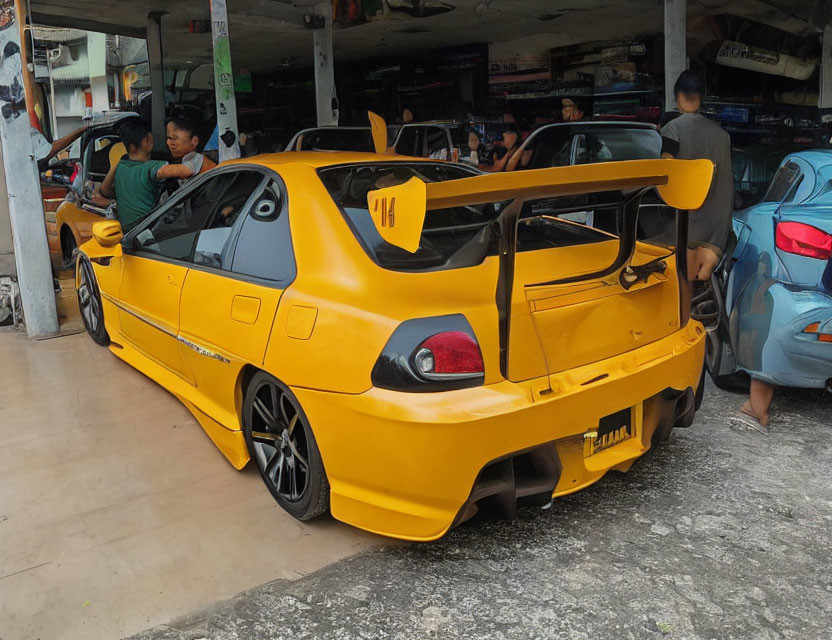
x=247, y=373
x=68, y=241
x=287, y=436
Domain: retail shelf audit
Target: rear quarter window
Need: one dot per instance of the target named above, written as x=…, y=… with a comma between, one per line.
x=452, y=238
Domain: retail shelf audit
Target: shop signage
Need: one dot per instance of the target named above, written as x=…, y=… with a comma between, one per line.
x=743, y=56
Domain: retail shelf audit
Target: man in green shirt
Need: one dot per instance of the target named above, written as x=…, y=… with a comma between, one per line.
x=135, y=181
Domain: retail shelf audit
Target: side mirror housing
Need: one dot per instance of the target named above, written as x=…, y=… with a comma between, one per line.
x=107, y=233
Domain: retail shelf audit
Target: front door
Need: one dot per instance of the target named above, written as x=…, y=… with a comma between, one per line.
x=157, y=257
x=149, y=309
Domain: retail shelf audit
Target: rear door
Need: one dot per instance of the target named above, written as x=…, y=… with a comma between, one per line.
x=228, y=307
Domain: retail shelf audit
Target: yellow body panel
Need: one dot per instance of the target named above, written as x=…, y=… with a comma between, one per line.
x=77, y=220
x=403, y=464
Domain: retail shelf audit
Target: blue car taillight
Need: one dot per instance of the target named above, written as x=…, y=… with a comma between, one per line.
x=430, y=354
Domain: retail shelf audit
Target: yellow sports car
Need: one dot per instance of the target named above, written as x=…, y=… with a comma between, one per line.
x=404, y=342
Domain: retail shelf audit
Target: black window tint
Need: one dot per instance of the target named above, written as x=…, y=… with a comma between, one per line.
x=197, y=227
x=562, y=146
x=452, y=238
x=408, y=142
x=781, y=183
x=551, y=148
x=264, y=248
x=437, y=141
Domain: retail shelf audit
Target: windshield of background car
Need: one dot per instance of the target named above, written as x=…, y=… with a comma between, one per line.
x=336, y=140
x=559, y=146
x=464, y=236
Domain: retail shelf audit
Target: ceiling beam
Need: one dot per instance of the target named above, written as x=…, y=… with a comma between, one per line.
x=69, y=22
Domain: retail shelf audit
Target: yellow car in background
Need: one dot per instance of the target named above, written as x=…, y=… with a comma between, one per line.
x=405, y=342
x=99, y=146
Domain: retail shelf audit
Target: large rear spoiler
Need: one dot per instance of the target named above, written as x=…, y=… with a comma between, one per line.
x=399, y=211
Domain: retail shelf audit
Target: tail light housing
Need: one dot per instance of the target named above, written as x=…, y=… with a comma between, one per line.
x=430, y=354
x=803, y=240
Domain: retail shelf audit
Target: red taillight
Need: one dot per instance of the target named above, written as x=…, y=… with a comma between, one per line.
x=803, y=240
x=451, y=353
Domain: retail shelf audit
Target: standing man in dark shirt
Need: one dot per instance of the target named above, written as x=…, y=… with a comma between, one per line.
x=135, y=181
x=692, y=136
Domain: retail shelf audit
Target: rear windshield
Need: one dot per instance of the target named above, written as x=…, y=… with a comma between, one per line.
x=335, y=140
x=562, y=146
x=455, y=237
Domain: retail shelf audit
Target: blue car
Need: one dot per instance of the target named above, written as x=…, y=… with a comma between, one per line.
x=768, y=308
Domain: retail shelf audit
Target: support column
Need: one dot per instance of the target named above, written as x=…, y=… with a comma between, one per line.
x=325, y=95
x=675, y=47
x=229, y=138
x=31, y=251
x=155, y=59
x=825, y=102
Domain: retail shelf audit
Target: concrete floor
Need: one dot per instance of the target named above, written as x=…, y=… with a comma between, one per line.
x=720, y=533
x=117, y=513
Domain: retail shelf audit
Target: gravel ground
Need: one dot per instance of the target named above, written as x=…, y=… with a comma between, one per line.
x=721, y=532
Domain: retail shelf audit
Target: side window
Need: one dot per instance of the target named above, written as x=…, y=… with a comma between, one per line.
x=407, y=143
x=437, y=141
x=264, y=247
x=551, y=148
x=197, y=227
x=782, y=182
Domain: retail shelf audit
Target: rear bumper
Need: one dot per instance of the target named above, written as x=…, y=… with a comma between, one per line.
x=405, y=465
x=788, y=356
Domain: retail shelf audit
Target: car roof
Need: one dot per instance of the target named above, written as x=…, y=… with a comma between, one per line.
x=613, y=124
x=815, y=157
x=318, y=159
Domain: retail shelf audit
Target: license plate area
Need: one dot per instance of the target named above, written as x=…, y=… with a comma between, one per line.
x=611, y=430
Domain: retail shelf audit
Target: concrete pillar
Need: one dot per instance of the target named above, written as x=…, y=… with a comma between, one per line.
x=229, y=140
x=825, y=102
x=155, y=59
x=675, y=47
x=7, y=267
x=325, y=95
x=31, y=251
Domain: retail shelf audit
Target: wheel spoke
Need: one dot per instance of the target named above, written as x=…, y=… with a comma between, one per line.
x=282, y=466
x=283, y=411
x=276, y=459
x=261, y=409
x=297, y=455
x=264, y=437
x=293, y=480
x=274, y=399
x=292, y=423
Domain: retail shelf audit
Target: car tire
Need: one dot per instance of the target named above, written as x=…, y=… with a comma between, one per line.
x=89, y=301
x=282, y=445
x=69, y=247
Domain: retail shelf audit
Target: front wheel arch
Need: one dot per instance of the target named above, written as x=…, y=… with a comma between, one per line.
x=69, y=243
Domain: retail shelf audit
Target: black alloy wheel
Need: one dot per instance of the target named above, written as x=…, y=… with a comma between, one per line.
x=282, y=444
x=89, y=302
